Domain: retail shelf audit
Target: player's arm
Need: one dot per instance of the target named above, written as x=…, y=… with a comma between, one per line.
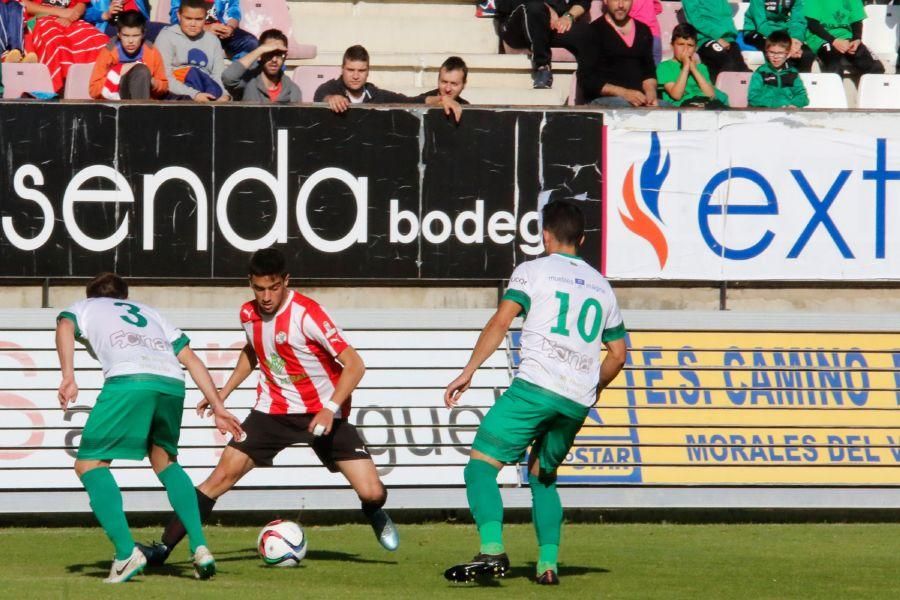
x=225, y=421
x=242, y=370
x=65, y=349
x=488, y=341
x=612, y=362
x=354, y=369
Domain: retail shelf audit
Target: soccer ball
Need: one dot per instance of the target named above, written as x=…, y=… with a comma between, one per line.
x=281, y=544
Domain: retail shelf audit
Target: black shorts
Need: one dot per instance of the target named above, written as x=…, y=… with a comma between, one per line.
x=267, y=435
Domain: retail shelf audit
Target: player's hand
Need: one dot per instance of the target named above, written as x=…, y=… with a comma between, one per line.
x=337, y=103
x=854, y=46
x=204, y=408
x=325, y=418
x=452, y=108
x=203, y=97
x=228, y=423
x=223, y=98
x=65, y=22
x=796, y=50
x=67, y=393
x=227, y=32
x=842, y=46
x=456, y=389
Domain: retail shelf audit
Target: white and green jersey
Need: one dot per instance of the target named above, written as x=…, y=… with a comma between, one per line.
x=570, y=312
x=127, y=337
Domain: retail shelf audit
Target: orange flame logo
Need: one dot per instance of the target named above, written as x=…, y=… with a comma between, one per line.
x=640, y=223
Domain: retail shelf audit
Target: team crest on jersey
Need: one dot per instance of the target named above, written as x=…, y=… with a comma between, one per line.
x=275, y=364
x=280, y=337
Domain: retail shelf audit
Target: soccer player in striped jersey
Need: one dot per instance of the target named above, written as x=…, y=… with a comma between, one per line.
x=570, y=314
x=307, y=371
x=138, y=412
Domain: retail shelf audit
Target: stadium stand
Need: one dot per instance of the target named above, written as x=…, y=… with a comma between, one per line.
x=825, y=90
x=736, y=85
x=259, y=15
x=308, y=78
x=78, y=82
x=881, y=33
x=879, y=92
x=23, y=78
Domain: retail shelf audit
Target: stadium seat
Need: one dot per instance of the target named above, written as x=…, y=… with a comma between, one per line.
x=259, y=15
x=669, y=18
x=309, y=78
x=20, y=78
x=825, y=90
x=161, y=11
x=576, y=96
x=78, y=82
x=736, y=85
x=879, y=91
x=880, y=29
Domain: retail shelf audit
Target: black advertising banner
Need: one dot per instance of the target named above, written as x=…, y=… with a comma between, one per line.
x=186, y=191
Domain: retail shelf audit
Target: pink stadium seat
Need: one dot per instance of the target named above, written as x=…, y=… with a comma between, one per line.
x=308, y=78
x=669, y=18
x=161, y=11
x=19, y=78
x=259, y=15
x=78, y=82
x=736, y=85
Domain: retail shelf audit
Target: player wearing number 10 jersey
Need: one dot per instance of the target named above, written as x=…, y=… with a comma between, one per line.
x=138, y=412
x=307, y=371
x=570, y=313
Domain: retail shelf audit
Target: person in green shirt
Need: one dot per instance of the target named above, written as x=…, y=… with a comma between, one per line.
x=776, y=84
x=684, y=80
x=765, y=17
x=717, y=35
x=835, y=35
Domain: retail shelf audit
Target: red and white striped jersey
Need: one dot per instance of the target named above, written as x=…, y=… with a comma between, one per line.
x=296, y=349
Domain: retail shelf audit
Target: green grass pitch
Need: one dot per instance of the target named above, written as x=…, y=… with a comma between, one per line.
x=597, y=561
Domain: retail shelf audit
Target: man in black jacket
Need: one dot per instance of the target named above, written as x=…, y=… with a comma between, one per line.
x=619, y=70
x=352, y=87
x=539, y=25
x=451, y=82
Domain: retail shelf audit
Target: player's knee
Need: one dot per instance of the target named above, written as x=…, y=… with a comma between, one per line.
x=372, y=493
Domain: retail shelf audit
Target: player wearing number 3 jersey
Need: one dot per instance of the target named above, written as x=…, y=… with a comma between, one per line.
x=570, y=313
x=138, y=411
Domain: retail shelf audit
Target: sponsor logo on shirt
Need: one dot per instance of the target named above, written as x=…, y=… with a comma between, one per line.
x=280, y=337
x=279, y=373
x=579, y=281
x=556, y=351
x=127, y=339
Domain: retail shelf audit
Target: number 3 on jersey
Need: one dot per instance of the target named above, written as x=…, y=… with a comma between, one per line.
x=132, y=311
x=590, y=305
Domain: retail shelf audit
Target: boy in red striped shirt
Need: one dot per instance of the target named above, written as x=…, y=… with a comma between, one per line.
x=307, y=371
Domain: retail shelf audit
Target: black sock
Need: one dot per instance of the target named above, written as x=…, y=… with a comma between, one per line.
x=370, y=508
x=175, y=531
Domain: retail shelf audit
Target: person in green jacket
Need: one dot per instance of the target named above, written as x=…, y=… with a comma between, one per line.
x=716, y=35
x=776, y=84
x=835, y=35
x=764, y=17
x=684, y=80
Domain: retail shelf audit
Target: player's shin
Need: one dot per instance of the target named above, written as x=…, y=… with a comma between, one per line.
x=486, y=504
x=547, y=514
x=106, y=502
x=184, y=500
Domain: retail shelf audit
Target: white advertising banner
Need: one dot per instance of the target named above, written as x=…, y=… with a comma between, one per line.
x=786, y=198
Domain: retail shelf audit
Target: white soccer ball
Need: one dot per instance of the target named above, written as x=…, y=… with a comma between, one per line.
x=281, y=544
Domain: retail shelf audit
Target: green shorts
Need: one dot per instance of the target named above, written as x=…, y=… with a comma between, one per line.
x=133, y=412
x=529, y=415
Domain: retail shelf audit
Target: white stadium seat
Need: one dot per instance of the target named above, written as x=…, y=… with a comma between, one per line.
x=825, y=90
x=880, y=29
x=879, y=92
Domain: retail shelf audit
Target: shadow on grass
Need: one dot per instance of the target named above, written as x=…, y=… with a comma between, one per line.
x=527, y=571
x=314, y=555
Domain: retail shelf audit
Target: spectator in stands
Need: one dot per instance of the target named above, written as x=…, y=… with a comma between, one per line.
x=452, y=78
x=223, y=20
x=60, y=38
x=685, y=81
x=835, y=35
x=618, y=69
x=12, y=29
x=777, y=84
x=194, y=59
x=129, y=68
x=764, y=17
x=103, y=14
x=539, y=25
x=645, y=11
x=352, y=87
x=717, y=34
x=259, y=75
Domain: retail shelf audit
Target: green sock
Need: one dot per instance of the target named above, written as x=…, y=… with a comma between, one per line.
x=106, y=502
x=547, y=514
x=183, y=498
x=483, y=494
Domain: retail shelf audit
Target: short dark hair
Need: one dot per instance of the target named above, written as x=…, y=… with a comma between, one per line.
x=779, y=38
x=273, y=34
x=455, y=63
x=684, y=31
x=268, y=261
x=356, y=52
x=131, y=18
x=564, y=220
x=193, y=4
x=107, y=285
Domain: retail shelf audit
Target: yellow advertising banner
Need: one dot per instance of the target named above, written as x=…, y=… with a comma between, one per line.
x=744, y=408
